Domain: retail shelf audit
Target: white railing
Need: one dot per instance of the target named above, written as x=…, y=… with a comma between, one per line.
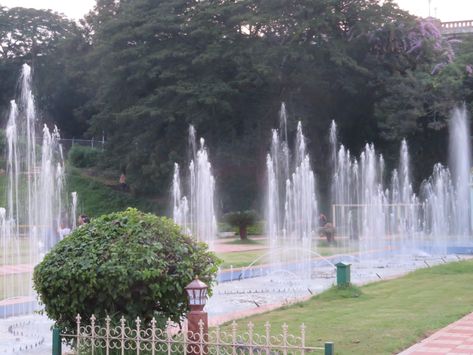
x=457, y=24
x=120, y=338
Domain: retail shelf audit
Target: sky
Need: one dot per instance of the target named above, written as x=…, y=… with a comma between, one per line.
x=446, y=10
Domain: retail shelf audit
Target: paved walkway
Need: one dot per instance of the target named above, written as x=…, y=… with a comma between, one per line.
x=15, y=269
x=454, y=339
x=226, y=245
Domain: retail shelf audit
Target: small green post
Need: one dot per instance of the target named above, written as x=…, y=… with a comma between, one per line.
x=343, y=274
x=329, y=348
x=57, y=341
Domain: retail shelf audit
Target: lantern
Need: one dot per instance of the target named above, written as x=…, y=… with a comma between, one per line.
x=197, y=294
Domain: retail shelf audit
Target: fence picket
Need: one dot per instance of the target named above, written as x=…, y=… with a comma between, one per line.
x=93, y=336
x=78, y=318
x=149, y=339
x=153, y=336
x=138, y=337
x=107, y=335
x=122, y=334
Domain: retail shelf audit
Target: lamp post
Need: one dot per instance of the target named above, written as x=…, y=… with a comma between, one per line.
x=197, y=319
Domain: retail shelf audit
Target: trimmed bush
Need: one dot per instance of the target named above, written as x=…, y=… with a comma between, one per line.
x=241, y=220
x=125, y=263
x=84, y=157
x=3, y=142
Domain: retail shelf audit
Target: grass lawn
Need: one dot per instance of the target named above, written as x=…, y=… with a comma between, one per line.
x=241, y=259
x=15, y=285
x=383, y=317
x=244, y=258
x=333, y=250
x=96, y=199
x=248, y=241
x=15, y=252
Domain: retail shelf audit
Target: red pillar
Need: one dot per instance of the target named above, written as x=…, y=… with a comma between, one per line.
x=197, y=331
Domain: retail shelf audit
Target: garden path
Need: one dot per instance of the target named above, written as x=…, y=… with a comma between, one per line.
x=454, y=339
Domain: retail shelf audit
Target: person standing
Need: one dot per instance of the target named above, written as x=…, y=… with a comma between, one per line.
x=122, y=181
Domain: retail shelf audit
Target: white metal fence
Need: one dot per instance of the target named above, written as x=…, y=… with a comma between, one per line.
x=109, y=339
x=93, y=143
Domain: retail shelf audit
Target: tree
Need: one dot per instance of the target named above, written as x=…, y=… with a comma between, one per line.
x=141, y=71
x=241, y=220
x=47, y=41
x=30, y=32
x=126, y=263
x=225, y=67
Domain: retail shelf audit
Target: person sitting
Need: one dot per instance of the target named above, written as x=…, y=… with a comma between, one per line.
x=83, y=219
x=64, y=230
x=322, y=220
x=326, y=229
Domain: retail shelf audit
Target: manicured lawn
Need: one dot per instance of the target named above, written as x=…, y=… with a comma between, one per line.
x=96, y=199
x=383, y=317
x=242, y=259
x=249, y=241
x=15, y=285
x=15, y=251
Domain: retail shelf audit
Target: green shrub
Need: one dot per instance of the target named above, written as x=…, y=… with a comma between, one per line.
x=224, y=227
x=256, y=228
x=3, y=142
x=241, y=220
x=125, y=263
x=83, y=157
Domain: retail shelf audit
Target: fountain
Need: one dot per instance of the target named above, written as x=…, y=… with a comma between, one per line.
x=460, y=165
x=380, y=220
x=74, y=210
x=30, y=223
x=291, y=201
x=197, y=214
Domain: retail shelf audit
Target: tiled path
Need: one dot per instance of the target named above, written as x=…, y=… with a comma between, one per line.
x=226, y=246
x=454, y=339
x=15, y=269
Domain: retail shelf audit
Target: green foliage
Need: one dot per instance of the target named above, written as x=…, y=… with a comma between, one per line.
x=141, y=71
x=226, y=67
x=27, y=31
x=37, y=38
x=125, y=263
x=241, y=220
x=3, y=143
x=224, y=227
x=256, y=228
x=83, y=157
x=96, y=198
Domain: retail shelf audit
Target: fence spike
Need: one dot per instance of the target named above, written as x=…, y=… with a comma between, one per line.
x=122, y=334
x=234, y=326
x=78, y=330
x=267, y=328
x=201, y=325
x=234, y=337
x=107, y=334
x=153, y=336
x=303, y=336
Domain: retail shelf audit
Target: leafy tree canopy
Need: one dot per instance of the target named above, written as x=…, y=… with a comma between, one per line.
x=140, y=71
